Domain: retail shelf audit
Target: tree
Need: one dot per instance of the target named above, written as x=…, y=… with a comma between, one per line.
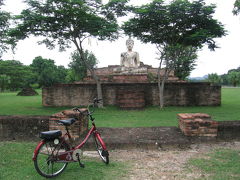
x=234, y=78
x=185, y=61
x=63, y=22
x=224, y=78
x=5, y=40
x=4, y=82
x=214, y=79
x=18, y=73
x=47, y=73
x=236, y=9
x=78, y=69
x=169, y=26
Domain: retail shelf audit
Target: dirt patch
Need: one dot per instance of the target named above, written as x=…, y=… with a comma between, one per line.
x=169, y=165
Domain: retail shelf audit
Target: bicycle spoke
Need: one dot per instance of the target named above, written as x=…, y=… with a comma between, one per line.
x=46, y=157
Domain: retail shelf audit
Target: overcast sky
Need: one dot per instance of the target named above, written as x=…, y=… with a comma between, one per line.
x=108, y=53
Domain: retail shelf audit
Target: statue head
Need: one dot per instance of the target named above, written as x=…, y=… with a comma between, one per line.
x=129, y=43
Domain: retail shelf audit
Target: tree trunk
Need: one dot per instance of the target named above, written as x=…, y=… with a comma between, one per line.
x=94, y=76
x=161, y=86
x=160, y=89
x=161, y=81
x=99, y=90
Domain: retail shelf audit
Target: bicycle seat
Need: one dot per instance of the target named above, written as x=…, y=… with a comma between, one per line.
x=67, y=122
x=50, y=134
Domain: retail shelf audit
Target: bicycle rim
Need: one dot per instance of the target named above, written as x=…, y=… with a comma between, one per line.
x=45, y=162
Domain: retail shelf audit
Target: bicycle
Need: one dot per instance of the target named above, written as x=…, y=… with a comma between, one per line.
x=53, y=153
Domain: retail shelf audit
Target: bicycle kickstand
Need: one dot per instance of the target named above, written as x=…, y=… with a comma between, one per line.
x=80, y=163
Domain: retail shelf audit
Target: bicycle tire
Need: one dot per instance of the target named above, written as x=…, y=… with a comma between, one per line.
x=102, y=153
x=45, y=159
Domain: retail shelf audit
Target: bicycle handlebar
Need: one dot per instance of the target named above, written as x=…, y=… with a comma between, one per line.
x=95, y=101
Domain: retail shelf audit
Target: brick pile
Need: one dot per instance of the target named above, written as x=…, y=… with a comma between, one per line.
x=197, y=124
x=76, y=129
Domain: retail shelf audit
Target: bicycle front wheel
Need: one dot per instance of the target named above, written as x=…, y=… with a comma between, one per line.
x=102, y=153
x=46, y=160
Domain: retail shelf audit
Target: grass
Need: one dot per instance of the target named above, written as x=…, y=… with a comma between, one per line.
x=16, y=163
x=220, y=164
x=111, y=116
x=11, y=104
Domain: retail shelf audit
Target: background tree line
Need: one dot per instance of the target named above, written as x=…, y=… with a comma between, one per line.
x=231, y=78
x=42, y=72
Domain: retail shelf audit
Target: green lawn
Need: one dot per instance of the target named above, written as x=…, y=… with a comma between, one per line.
x=16, y=163
x=219, y=164
x=110, y=116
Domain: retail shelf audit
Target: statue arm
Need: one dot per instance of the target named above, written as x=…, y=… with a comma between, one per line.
x=137, y=59
x=122, y=59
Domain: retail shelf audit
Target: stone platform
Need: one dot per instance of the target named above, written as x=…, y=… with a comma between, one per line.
x=119, y=74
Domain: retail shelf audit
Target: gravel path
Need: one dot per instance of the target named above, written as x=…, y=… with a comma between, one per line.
x=169, y=165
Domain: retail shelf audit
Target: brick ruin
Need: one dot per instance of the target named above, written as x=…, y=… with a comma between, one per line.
x=77, y=129
x=176, y=94
x=197, y=124
x=132, y=88
x=117, y=74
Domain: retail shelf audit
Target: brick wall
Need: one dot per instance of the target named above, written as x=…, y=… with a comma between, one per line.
x=130, y=98
x=176, y=94
x=22, y=127
x=28, y=128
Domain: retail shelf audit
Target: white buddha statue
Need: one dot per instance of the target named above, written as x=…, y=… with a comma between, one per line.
x=130, y=59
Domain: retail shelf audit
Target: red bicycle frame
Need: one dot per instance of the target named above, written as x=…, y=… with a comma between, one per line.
x=67, y=156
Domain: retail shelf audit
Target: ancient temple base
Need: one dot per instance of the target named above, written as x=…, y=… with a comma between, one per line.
x=130, y=98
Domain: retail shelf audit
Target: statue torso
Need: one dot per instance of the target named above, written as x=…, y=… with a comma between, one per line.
x=129, y=59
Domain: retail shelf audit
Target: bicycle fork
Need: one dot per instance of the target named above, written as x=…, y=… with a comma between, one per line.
x=104, y=147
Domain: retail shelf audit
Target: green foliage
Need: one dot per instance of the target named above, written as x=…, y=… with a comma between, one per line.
x=16, y=163
x=182, y=60
x=234, y=78
x=224, y=79
x=5, y=40
x=236, y=9
x=18, y=74
x=78, y=69
x=47, y=73
x=180, y=22
x=231, y=78
x=64, y=21
x=220, y=164
x=4, y=82
x=214, y=79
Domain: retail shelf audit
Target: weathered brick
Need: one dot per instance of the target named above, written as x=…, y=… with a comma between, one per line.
x=78, y=128
x=197, y=124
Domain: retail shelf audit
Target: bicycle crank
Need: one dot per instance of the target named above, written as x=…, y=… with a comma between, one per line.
x=76, y=157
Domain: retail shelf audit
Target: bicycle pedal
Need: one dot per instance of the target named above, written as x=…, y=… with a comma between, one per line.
x=81, y=165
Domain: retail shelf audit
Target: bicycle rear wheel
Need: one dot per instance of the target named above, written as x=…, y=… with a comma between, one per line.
x=104, y=155
x=45, y=163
